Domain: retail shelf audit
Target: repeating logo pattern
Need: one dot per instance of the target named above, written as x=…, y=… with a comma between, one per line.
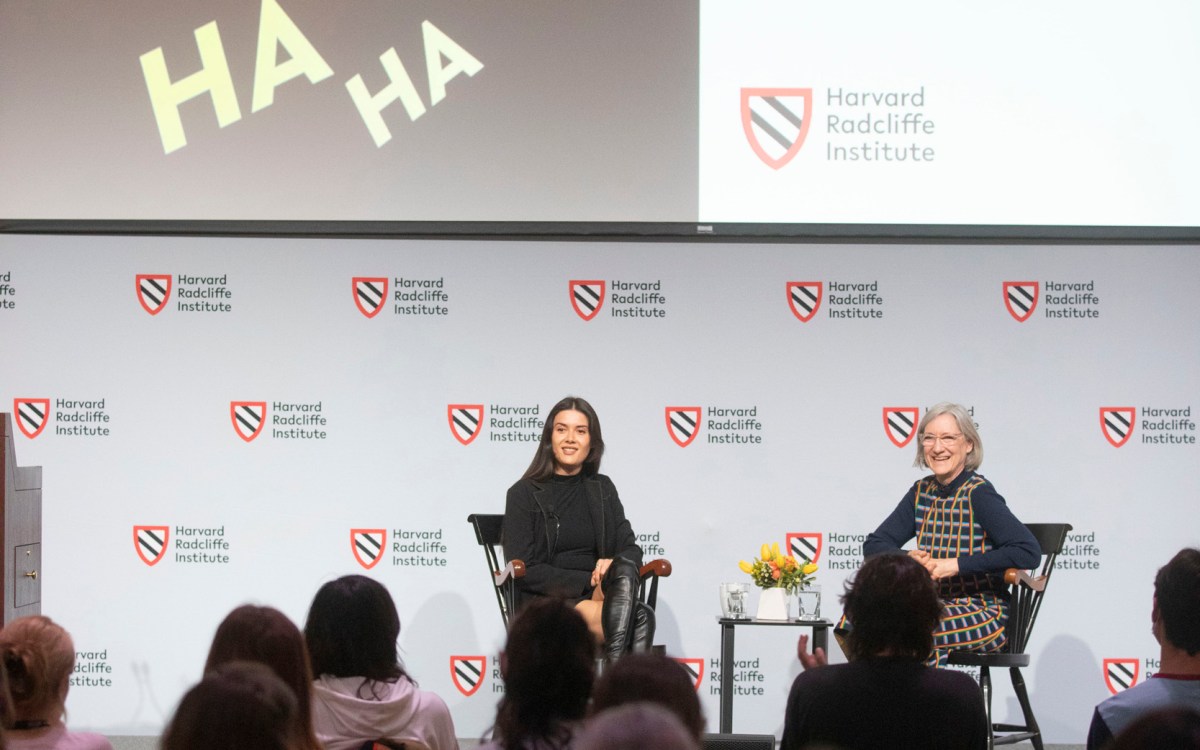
x=683, y=424
x=153, y=291
x=369, y=294
x=1021, y=298
x=367, y=546
x=776, y=122
x=587, y=297
x=1116, y=422
x=1121, y=674
x=804, y=298
x=32, y=415
x=805, y=545
x=466, y=421
x=248, y=418
x=900, y=424
x=150, y=542
x=467, y=673
x=695, y=669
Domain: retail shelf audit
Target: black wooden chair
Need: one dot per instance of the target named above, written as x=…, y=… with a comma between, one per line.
x=504, y=576
x=1025, y=592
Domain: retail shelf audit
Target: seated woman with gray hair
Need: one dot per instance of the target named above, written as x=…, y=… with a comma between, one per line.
x=965, y=534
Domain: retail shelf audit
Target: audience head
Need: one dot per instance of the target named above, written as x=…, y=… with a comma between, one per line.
x=894, y=606
x=1177, y=601
x=238, y=705
x=543, y=463
x=352, y=629
x=266, y=635
x=650, y=678
x=635, y=726
x=39, y=657
x=1176, y=728
x=548, y=669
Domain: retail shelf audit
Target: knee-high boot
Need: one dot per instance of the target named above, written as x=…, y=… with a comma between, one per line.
x=627, y=623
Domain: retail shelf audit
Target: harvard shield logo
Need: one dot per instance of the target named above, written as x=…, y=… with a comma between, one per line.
x=248, y=418
x=900, y=424
x=151, y=542
x=467, y=673
x=1021, y=298
x=683, y=424
x=1116, y=422
x=805, y=546
x=695, y=669
x=367, y=546
x=466, y=421
x=587, y=297
x=804, y=297
x=32, y=415
x=153, y=291
x=369, y=294
x=776, y=122
x=1120, y=674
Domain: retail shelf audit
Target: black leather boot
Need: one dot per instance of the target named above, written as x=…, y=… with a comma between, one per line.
x=619, y=614
x=643, y=628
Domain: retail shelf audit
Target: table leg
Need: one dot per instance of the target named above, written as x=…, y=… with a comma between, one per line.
x=726, y=714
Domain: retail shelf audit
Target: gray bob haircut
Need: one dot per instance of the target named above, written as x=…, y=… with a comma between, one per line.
x=965, y=424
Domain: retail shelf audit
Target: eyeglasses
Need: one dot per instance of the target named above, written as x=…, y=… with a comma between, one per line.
x=947, y=440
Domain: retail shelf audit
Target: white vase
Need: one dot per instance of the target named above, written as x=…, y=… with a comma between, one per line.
x=775, y=604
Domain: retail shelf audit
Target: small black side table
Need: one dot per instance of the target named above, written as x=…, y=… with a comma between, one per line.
x=820, y=640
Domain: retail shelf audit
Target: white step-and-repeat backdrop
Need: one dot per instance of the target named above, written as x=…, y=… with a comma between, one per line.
x=219, y=418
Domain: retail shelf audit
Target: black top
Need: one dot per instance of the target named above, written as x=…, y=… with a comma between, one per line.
x=574, y=541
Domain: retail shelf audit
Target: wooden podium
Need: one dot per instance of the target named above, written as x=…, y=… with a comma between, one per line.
x=21, y=534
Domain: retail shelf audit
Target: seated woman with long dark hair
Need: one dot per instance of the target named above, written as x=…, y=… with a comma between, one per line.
x=362, y=691
x=564, y=519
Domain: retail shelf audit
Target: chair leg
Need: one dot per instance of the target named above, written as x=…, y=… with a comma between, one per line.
x=985, y=684
x=1031, y=725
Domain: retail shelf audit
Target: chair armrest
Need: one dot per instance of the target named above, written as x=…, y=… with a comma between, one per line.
x=659, y=567
x=1018, y=576
x=513, y=570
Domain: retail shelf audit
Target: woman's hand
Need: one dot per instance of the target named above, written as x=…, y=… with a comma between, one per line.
x=944, y=568
x=810, y=661
x=600, y=569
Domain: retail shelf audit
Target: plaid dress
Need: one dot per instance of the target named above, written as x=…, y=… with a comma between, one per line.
x=975, y=609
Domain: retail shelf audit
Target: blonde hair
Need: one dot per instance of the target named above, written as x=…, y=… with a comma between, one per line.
x=39, y=657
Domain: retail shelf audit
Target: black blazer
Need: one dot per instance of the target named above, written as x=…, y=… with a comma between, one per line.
x=526, y=536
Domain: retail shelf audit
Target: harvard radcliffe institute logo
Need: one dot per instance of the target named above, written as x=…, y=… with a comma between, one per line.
x=248, y=418
x=32, y=415
x=367, y=546
x=683, y=424
x=153, y=291
x=805, y=546
x=1120, y=674
x=694, y=668
x=466, y=421
x=1021, y=298
x=804, y=297
x=900, y=424
x=587, y=297
x=776, y=122
x=151, y=542
x=1116, y=422
x=369, y=294
x=467, y=673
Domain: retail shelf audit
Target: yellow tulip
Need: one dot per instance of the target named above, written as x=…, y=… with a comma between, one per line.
x=809, y=568
x=746, y=567
x=775, y=551
x=765, y=552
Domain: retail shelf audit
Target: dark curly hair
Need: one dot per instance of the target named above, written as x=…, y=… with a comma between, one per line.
x=894, y=606
x=548, y=672
x=1177, y=595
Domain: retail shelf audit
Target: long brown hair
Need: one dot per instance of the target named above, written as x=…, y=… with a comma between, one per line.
x=39, y=656
x=542, y=466
x=266, y=635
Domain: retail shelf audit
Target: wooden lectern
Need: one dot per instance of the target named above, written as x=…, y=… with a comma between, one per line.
x=21, y=534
